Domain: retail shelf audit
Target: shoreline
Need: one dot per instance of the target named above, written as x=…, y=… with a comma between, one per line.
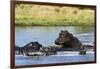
x=52, y=25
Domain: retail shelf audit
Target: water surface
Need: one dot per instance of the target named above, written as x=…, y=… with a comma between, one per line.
x=46, y=36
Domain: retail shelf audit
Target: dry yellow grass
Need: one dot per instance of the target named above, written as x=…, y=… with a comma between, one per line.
x=44, y=15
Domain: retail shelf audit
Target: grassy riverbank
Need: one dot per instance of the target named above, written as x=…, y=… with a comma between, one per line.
x=37, y=15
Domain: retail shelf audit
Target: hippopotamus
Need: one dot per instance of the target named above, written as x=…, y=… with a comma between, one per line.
x=30, y=47
x=68, y=40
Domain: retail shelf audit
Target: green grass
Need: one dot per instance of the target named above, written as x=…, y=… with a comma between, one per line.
x=43, y=15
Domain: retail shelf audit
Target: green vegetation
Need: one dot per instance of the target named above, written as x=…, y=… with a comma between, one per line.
x=44, y=15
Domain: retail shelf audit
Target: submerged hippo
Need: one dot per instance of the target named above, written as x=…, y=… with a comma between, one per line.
x=30, y=47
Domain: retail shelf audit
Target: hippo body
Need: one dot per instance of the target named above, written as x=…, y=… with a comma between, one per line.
x=67, y=40
x=30, y=47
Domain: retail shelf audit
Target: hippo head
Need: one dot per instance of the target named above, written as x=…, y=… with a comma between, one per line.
x=64, y=36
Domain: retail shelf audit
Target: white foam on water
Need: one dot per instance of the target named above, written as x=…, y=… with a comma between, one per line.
x=84, y=34
x=91, y=43
x=61, y=54
x=71, y=53
x=67, y=55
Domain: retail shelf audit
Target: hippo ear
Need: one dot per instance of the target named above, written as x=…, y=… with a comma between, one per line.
x=71, y=35
x=36, y=42
x=61, y=30
x=66, y=31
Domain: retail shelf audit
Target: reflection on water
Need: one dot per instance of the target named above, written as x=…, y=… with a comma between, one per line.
x=47, y=35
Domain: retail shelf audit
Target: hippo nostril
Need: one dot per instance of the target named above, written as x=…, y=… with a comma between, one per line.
x=56, y=42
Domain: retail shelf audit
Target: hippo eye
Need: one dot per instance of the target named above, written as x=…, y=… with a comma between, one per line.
x=59, y=33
